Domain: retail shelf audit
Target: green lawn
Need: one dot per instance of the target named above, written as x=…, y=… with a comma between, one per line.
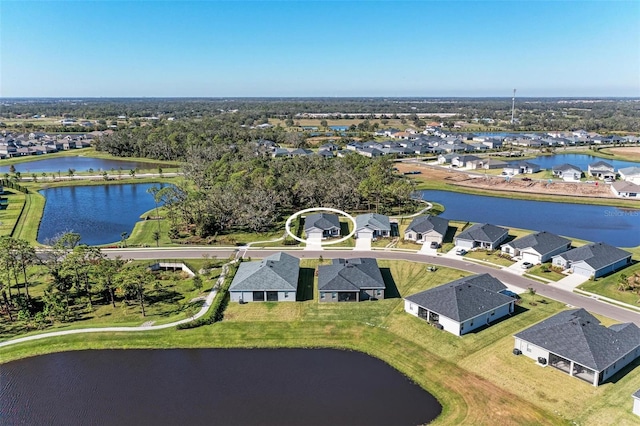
x=490, y=256
x=608, y=286
x=539, y=271
x=10, y=215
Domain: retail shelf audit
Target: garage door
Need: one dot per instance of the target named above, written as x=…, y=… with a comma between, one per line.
x=529, y=257
x=582, y=271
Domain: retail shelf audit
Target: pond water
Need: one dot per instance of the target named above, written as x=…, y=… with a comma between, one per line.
x=618, y=227
x=99, y=213
x=579, y=160
x=78, y=163
x=210, y=386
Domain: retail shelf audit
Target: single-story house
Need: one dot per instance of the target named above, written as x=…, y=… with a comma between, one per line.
x=463, y=160
x=625, y=189
x=537, y=248
x=462, y=305
x=601, y=170
x=523, y=167
x=350, y=280
x=427, y=229
x=630, y=174
x=575, y=342
x=492, y=163
x=372, y=225
x=482, y=235
x=567, y=172
x=322, y=225
x=636, y=403
x=596, y=259
x=272, y=279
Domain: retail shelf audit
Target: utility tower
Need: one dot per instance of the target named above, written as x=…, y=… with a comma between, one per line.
x=513, y=106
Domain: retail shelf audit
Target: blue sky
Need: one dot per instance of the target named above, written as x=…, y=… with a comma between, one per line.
x=319, y=48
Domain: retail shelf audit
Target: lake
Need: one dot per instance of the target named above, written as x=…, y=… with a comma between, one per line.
x=78, y=163
x=99, y=213
x=579, y=160
x=210, y=386
x=618, y=227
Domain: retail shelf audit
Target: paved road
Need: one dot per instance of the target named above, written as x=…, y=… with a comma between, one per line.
x=543, y=290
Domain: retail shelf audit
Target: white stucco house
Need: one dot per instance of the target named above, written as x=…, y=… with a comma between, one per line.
x=630, y=174
x=625, y=189
x=463, y=305
x=576, y=343
x=636, y=402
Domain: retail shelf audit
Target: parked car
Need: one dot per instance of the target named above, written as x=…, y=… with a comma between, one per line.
x=526, y=179
x=434, y=245
x=527, y=265
x=461, y=252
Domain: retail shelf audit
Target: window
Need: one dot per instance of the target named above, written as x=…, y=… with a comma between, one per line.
x=471, y=324
x=333, y=295
x=286, y=294
x=378, y=292
x=321, y=295
x=493, y=313
x=528, y=347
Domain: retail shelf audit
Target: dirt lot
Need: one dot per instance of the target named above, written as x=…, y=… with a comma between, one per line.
x=496, y=183
x=631, y=153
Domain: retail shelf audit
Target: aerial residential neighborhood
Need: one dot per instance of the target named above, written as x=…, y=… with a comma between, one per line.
x=329, y=213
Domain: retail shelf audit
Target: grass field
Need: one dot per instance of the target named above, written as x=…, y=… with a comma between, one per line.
x=476, y=378
x=10, y=215
x=608, y=286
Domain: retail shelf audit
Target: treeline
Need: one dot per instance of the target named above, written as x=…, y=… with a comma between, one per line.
x=233, y=189
x=172, y=140
x=76, y=278
x=535, y=114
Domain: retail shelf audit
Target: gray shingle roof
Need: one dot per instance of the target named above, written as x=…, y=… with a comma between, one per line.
x=324, y=221
x=464, y=298
x=373, y=221
x=637, y=394
x=278, y=272
x=624, y=186
x=427, y=223
x=596, y=255
x=483, y=232
x=350, y=275
x=600, y=165
x=542, y=242
x=566, y=167
x=578, y=336
x=628, y=171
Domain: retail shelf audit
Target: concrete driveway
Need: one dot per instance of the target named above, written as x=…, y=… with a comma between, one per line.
x=570, y=282
x=363, y=244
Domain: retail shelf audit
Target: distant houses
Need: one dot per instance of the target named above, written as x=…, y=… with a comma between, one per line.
x=350, y=280
x=576, y=343
x=523, y=167
x=463, y=305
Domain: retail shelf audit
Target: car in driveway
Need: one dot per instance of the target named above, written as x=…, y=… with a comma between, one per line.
x=434, y=245
x=526, y=265
x=461, y=252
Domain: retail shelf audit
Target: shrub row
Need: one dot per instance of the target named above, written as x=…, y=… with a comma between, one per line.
x=217, y=308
